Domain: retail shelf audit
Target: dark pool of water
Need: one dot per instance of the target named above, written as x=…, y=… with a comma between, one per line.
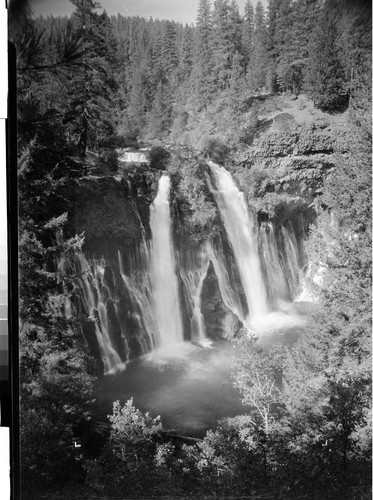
x=190, y=386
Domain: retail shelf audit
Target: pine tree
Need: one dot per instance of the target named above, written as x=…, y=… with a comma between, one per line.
x=55, y=386
x=290, y=23
x=247, y=33
x=204, y=27
x=325, y=77
x=159, y=115
x=201, y=77
x=186, y=53
x=169, y=49
x=235, y=27
x=258, y=67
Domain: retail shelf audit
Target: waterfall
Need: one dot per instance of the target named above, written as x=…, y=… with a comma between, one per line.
x=94, y=296
x=273, y=264
x=282, y=261
x=138, y=288
x=193, y=273
x=240, y=230
x=229, y=295
x=135, y=157
x=164, y=284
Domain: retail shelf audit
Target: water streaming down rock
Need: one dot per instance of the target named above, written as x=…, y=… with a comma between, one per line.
x=138, y=286
x=282, y=261
x=227, y=289
x=163, y=280
x=193, y=271
x=273, y=264
x=95, y=295
x=240, y=230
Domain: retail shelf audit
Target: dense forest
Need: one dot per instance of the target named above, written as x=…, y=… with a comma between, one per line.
x=91, y=85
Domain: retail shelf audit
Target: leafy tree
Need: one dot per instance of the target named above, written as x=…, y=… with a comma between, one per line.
x=258, y=376
x=215, y=149
x=128, y=463
x=159, y=157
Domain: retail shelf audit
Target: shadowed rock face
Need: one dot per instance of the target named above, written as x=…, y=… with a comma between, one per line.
x=112, y=212
x=212, y=306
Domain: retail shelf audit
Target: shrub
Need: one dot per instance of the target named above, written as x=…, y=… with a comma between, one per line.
x=215, y=149
x=159, y=157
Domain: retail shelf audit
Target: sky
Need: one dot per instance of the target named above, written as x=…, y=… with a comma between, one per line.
x=183, y=11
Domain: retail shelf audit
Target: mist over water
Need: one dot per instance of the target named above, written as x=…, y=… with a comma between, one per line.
x=189, y=386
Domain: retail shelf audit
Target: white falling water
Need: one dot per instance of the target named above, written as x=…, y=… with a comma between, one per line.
x=193, y=275
x=273, y=263
x=292, y=258
x=90, y=288
x=164, y=285
x=135, y=157
x=240, y=230
x=228, y=294
x=138, y=287
x=282, y=262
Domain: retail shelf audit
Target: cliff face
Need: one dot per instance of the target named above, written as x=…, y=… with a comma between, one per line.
x=113, y=212
x=294, y=149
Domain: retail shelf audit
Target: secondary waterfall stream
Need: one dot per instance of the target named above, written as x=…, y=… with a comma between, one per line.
x=165, y=294
x=240, y=230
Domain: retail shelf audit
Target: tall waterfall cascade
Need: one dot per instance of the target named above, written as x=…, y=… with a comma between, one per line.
x=163, y=291
x=164, y=284
x=240, y=230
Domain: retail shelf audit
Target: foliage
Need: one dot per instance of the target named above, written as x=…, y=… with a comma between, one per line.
x=329, y=378
x=158, y=157
x=258, y=376
x=215, y=149
x=85, y=82
x=325, y=73
x=193, y=199
x=56, y=381
x=135, y=460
